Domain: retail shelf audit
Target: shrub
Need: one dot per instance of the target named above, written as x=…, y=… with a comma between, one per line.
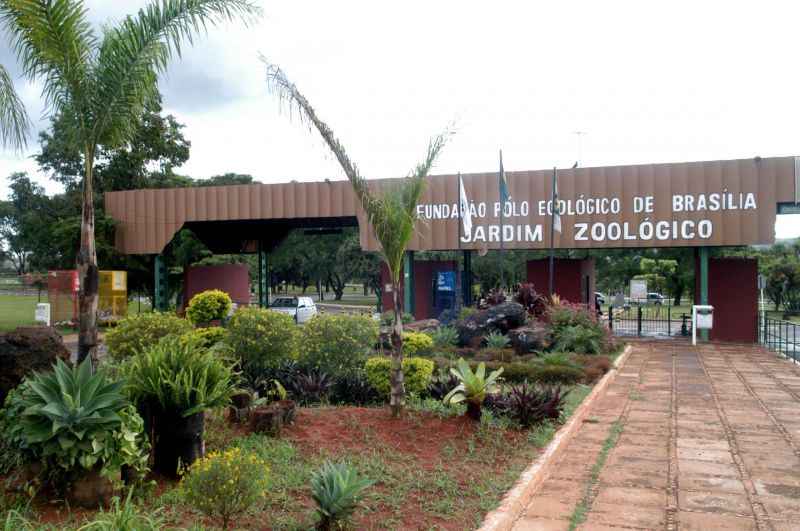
x=444, y=336
x=179, y=376
x=208, y=336
x=516, y=372
x=416, y=343
x=71, y=419
x=594, y=367
x=139, y=332
x=416, y=374
x=472, y=387
x=582, y=339
x=124, y=516
x=527, y=405
x=211, y=305
x=310, y=386
x=337, y=344
x=226, y=484
x=387, y=318
x=336, y=489
x=353, y=389
x=576, y=329
x=534, y=303
x=261, y=339
x=558, y=374
x=442, y=383
x=496, y=340
x=466, y=311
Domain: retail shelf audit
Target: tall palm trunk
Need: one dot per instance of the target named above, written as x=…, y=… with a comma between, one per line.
x=397, y=395
x=87, y=269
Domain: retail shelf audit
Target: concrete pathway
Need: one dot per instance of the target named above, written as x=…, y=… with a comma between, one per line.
x=695, y=438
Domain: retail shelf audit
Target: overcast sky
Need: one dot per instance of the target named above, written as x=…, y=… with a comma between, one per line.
x=646, y=82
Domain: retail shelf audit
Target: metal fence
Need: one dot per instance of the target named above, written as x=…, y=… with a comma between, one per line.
x=646, y=318
x=779, y=335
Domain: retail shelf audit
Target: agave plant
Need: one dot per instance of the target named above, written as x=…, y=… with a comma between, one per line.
x=473, y=386
x=496, y=340
x=69, y=417
x=336, y=489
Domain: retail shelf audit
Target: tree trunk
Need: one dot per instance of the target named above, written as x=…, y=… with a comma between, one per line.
x=87, y=269
x=397, y=396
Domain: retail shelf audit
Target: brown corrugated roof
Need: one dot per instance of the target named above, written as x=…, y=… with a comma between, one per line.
x=231, y=216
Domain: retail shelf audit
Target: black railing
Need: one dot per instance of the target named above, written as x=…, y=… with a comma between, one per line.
x=780, y=336
x=648, y=319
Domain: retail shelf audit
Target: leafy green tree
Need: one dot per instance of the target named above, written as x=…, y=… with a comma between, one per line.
x=103, y=86
x=391, y=212
x=14, y=122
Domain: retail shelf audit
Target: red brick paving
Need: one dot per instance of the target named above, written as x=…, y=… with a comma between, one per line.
x=710, y=440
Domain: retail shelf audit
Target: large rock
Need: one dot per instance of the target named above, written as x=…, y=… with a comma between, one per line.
x=26, y=350
x=501, y=318
x=534, y=336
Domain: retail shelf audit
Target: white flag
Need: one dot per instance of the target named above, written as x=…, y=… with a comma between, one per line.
x=466, y=215
x=556, y=210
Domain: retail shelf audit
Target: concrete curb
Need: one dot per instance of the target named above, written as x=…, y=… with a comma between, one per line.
x=516, y=499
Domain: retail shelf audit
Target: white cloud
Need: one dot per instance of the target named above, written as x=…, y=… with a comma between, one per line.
x=648, y=82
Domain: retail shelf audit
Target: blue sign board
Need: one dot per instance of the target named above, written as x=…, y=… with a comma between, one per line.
x=446, y=281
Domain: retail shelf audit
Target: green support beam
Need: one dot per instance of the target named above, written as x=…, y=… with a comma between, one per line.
x=408, y=282
x=161, y=284
x=466, y=279
x=263, y=276
x=703, y=254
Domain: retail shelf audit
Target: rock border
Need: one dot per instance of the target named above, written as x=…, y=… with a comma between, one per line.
x=516, y=500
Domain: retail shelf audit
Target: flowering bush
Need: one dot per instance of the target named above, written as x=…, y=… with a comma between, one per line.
x=417, y=374
x=208, y=306
x=261, y=339
x=140, y=332
x=337, y=344
x=415, y=343
x=225, y=484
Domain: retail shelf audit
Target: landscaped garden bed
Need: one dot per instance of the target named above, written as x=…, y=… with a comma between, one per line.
x=288, y=428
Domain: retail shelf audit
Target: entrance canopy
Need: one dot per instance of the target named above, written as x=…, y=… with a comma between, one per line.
x=692, y=204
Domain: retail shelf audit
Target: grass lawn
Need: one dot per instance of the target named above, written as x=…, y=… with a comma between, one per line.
x=19, y=310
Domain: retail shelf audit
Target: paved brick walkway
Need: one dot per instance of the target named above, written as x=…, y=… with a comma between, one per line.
x=695, y=438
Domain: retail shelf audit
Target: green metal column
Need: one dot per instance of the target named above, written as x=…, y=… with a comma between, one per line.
x=408, y=282
x=704, y=283
x=466, y=279
x=263, y=276
x=161, y=284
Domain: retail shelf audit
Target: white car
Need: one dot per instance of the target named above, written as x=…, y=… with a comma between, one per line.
x=300, y=308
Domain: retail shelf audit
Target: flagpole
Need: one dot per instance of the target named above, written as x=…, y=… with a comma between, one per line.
x=502, y=224
x=552, y=230
x=459, y=210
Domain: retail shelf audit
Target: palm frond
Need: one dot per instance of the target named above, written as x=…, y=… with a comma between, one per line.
x=136, y=51
x=392, y=211
x=54, y=42
x=14, y=122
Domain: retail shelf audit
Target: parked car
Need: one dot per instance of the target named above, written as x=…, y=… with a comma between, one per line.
x=599, y=297
x=655, y=298
x=300, y=308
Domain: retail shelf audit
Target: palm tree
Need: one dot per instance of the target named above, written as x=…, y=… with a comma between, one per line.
x=391, y=212
x=102, y=85
x=14, y=122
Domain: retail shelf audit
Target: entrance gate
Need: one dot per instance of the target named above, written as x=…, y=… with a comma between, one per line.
x=647, y=319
